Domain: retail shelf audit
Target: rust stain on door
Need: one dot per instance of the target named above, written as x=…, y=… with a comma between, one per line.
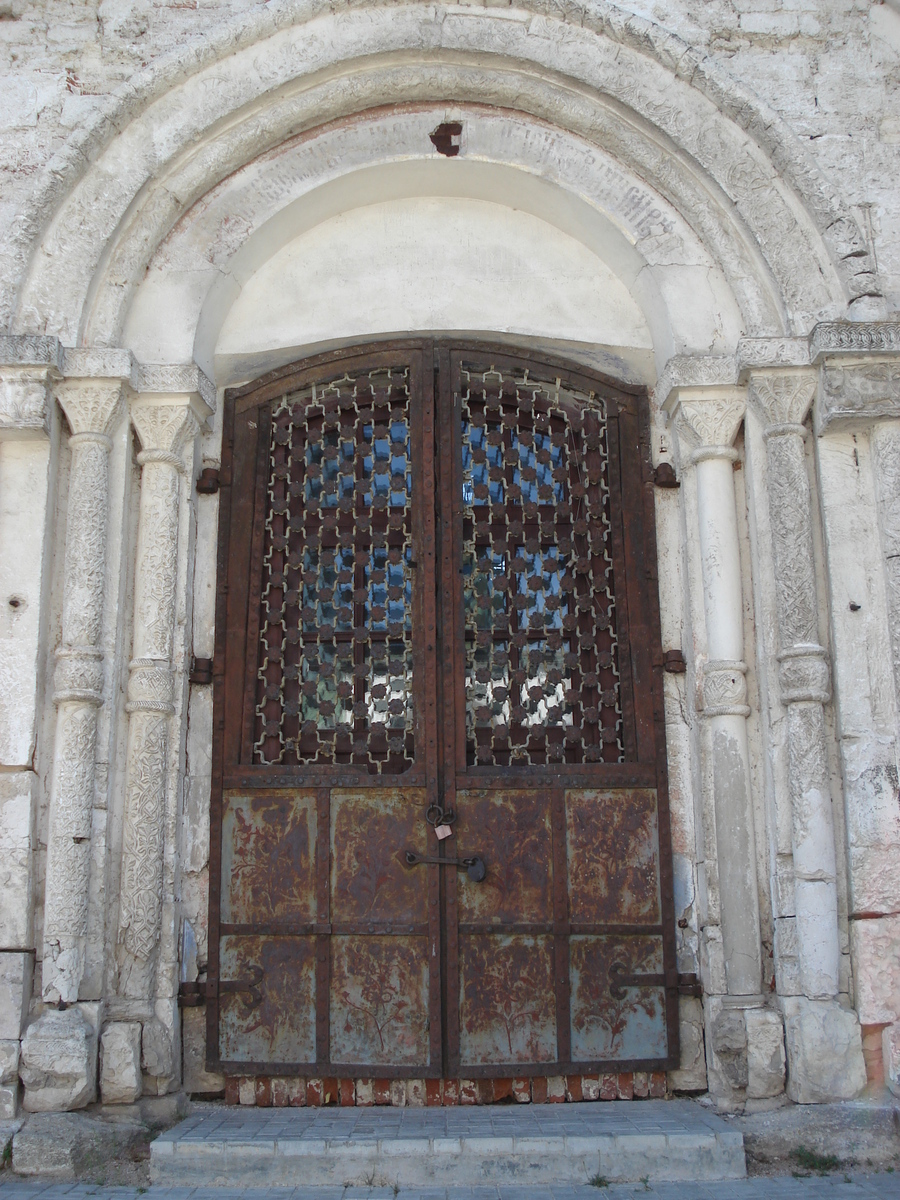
x=379, y=1000
x=268, y=861
x=510, y=830
x=610, y=1022
x=613, y=850
x=271, y=1018
x=369, y=829
x=507, y=999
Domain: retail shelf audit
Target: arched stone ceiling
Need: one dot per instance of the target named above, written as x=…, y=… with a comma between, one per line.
x=664, y=111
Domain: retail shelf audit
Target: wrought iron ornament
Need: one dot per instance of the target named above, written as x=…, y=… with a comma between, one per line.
x=335, y=641
x=542, y=681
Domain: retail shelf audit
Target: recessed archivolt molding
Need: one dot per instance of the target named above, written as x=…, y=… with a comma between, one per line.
x=164, y=139
x=555, y=106
x=509, y=160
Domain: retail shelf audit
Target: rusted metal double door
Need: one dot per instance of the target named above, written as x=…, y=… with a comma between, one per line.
x=440, y=838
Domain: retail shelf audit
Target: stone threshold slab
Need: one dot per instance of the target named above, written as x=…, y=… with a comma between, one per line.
x=619, y=1141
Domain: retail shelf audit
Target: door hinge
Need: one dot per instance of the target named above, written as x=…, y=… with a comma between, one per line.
x=208, y=482
x=664, y=476
x=201, y=670
x=673, y=662
x=690, y=985
x=191, y=995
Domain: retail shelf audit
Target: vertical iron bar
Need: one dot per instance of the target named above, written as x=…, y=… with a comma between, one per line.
x=425, y=586
x=323, y=920
x=561, y=925
x=264, y=422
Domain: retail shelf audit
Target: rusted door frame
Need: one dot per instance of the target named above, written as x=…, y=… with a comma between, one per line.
x=637, y=600
x=439, y=769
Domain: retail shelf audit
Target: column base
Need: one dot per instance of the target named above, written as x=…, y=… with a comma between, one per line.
x=120, y=1063
x=59, y=1062
x=691, y=1073
x=824, y=1050
x=745, y=1048
x=890, y=1048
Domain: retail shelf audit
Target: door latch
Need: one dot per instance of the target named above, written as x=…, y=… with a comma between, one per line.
x=619, y=980
x=474, y=867
x=250, y=985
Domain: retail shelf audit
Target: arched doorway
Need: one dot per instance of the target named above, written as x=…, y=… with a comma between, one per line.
x=440, y=826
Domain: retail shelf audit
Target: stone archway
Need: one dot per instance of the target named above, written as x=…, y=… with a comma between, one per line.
x=155, y=222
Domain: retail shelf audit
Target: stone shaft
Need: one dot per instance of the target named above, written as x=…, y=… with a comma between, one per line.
x=164, y=430
x=713, y=422
x=803, y=676
x=91, y=408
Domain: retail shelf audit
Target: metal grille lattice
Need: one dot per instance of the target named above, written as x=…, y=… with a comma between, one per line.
x=334, y=684
x=542, y=683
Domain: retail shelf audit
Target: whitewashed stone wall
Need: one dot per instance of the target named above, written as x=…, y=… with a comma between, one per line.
x=177, y=182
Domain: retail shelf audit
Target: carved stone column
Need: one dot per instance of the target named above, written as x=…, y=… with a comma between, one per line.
x=804, y=675
x=744, y=1038
x=91, y=407
x=823, y=1039
x=164, y=429
x=709, y=425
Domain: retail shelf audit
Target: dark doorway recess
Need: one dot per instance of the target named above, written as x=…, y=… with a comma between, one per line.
x=440, y=832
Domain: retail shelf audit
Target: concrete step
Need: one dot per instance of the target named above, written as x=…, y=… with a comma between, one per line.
x=533, y=1145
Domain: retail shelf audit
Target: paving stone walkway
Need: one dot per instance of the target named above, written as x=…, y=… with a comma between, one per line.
x=499, y=1145
x=882, y=1186
x=224, y=1124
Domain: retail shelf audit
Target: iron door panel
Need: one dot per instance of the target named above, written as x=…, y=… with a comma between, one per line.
x=371, y=886
x=380, y=985
x=560, y=959
x=615, y=1023
x=267, y=1006
x=511, y=831
x=269, y=858
x=507, y=1001
x=612, y=840
x=380, y=1001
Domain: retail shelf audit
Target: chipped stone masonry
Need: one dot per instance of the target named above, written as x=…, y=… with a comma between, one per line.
x=708, y=424
x=28, y=464
x=857, y=419
x=804, y=680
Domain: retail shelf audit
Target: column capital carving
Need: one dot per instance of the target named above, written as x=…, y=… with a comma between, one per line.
x=30, y=350
x=804, y=674
x=150, y=686
x=783, y=397
x=164, y=427
x=858, y=391
x=92, y=406
x=688, y=371
x=78, y=675
x=708, y=419
x=723, y=689
x=178, y=381
x=854, y=337
x=25, y=401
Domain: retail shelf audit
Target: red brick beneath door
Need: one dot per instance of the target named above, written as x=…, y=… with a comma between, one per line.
x=266, y=1092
